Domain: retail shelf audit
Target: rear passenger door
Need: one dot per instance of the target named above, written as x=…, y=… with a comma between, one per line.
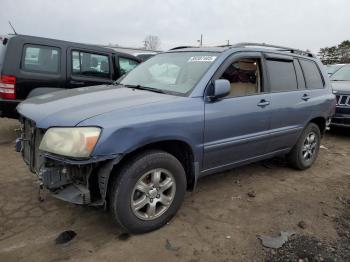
x=290, y=101
x=88, y=68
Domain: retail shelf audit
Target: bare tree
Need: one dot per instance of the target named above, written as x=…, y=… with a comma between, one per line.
x=152, y=42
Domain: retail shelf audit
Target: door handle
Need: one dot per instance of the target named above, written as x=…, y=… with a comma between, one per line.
x=305, y=97
x=263, y=103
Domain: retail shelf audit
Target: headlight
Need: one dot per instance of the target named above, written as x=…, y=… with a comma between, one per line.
x=73, y=142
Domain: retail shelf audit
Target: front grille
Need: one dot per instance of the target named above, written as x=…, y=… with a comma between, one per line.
x=343, y=100
x=341, y=121
x=31, y=138
x=342, y=110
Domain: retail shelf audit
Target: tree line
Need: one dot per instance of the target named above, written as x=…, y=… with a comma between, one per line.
x=339, y=54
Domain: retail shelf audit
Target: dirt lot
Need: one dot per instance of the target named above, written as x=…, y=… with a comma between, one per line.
x=219, y=222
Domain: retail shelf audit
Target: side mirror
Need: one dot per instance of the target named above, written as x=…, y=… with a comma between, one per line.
x=221, y=88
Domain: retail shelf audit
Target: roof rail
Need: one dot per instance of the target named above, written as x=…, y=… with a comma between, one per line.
x=279, y=48
x=181, y=47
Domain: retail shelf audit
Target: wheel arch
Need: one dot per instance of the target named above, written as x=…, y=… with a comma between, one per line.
x=321, y=122
x=178, y=148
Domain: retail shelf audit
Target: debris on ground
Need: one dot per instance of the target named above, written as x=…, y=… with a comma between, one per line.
x=65, y=237
x=302, y=224
x=228, y=237
x=303, y=248
x=236, y=197
x=277, y=241
x=323, y=147
x=251, y=193
x=170, y=247
x=238, y=182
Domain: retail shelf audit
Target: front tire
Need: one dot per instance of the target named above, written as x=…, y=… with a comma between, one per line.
x=305, y=151
x=147, y=192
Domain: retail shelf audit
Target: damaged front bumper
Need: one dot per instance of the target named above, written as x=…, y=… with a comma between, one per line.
x=81, y=182
x=78, y=181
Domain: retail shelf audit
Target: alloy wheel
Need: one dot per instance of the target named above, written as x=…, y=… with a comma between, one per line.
x=153, y=194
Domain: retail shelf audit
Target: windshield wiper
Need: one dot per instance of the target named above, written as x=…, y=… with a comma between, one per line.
x=140, y=87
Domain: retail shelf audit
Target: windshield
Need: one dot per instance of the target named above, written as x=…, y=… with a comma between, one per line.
x=331, y=69
x=171, y=72
x=343, y=74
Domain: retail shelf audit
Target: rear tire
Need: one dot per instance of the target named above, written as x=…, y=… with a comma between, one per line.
x=305, y=151
x=147, y=192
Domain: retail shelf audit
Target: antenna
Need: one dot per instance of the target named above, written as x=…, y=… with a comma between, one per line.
x=13, y=28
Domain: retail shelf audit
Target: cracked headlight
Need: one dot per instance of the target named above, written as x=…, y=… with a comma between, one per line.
x=74, y=142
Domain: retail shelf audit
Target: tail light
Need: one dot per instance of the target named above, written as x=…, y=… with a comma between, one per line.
x=7, y=87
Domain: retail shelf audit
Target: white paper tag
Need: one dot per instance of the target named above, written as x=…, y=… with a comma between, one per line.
x=201, y=59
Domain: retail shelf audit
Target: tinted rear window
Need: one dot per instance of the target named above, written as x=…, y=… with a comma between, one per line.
x=89, y=64
x=44, y=59
x=282, y=76
x=312, y=74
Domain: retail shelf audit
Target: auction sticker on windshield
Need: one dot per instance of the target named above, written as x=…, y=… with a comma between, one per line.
x=201, y=59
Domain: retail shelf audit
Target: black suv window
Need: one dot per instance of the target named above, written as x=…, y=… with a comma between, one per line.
x=126, y=65
x=2, y=49
x=342, y=74
x=281, y=75
x=244, y=76
x=89, y=64
x=312, y=74
x=41, y=58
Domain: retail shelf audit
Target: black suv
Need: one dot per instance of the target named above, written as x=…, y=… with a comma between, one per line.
x=31, y=66
x=341, y=87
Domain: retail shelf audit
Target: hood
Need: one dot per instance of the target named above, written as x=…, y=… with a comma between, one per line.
x=342, y=87
x=70, y=107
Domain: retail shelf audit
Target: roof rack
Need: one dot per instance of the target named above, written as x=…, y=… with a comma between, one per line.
x=279, y=48
x=181, y=47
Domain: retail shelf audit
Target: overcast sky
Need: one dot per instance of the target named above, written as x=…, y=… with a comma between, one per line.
x=305, y=24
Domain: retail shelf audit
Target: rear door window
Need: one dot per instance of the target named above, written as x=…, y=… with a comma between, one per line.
x=126, y=65
x=44, y=59
x=90, y=64
x=281, y=75
x=312, y=74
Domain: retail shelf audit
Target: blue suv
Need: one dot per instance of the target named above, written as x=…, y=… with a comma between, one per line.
x=136, y=146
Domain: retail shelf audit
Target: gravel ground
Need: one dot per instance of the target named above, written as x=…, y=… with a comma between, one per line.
x=220, y=221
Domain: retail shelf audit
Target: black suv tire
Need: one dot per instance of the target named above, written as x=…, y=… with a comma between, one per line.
x=141, y=172
x=305, y=151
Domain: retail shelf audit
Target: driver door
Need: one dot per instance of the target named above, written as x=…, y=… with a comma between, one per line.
x=236, y=127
